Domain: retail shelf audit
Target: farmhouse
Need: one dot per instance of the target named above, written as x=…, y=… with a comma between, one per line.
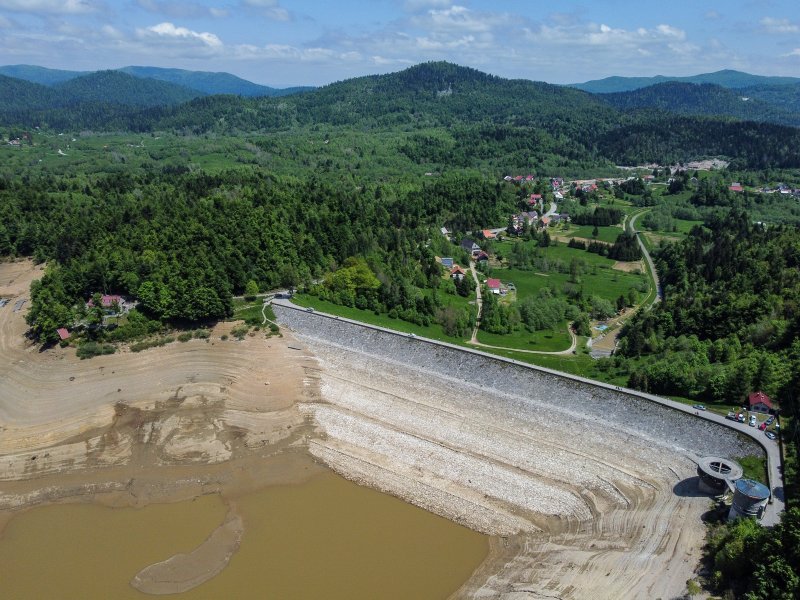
x=488, y=235
x=736, y=187
x=457, y=273
x=759, y=402
x=494, y=285
x=470, y=246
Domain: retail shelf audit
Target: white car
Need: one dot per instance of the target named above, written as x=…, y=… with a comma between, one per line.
x=752, y=420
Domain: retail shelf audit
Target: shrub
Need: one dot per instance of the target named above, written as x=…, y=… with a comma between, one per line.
x=185, y=336
x=91, y=349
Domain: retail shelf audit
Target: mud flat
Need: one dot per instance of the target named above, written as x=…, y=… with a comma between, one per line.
x=585, y=490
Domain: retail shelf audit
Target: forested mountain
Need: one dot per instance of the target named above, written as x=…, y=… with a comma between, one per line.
x=727, y=78
x=205, y=82
x=707, y=99
x=40, y=75
x=210, y=83
x=16, y=94
x=114, y=87
x=458, y=115
x=786, y=97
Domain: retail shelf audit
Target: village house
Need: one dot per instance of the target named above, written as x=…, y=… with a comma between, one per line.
x=457, y=273
x=488, y=235
x=759, y=402
x=736, y=187
x=535, y=199
x=482, y=257
x=471, y=247
x=494, y=285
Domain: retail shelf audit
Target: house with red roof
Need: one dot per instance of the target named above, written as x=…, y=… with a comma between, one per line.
x=494, y=285
x=736, y=187
x=457, y=273
x=535, y=199
x=759, y=402
x=63, y=334
x=488, y=235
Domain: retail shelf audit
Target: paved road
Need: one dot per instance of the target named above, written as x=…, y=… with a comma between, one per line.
x=774, y=509
x=478, y=302
x=647, y=257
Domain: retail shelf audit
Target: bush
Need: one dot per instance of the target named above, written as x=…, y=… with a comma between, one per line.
x=91, y=349
x=185, y=336
x=240, y=332
x=202, y=334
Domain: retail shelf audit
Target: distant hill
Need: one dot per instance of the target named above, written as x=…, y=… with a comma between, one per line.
x=17, y=94
x=115, y=87
x=705, y=99
x=444, y=115
x=206, y=83
x=210, y=83
x=785, y=96
x=40, y=75
x=726, y=78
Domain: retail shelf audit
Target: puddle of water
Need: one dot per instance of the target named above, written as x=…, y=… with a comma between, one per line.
x=326, y=538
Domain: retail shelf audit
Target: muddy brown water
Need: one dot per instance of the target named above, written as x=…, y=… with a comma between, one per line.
x=325, y=538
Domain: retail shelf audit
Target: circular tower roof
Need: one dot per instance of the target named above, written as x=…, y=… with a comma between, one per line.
x=720, y=468
x=752, y=489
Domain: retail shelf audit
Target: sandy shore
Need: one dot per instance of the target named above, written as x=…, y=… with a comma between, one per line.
x=576, y=509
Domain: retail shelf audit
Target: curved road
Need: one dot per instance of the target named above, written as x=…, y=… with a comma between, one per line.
x=647, y=257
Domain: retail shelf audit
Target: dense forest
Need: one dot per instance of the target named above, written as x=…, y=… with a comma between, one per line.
x=183, y=244
x=470, y=113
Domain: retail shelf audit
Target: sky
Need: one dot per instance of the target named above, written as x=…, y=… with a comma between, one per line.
x=309, y=42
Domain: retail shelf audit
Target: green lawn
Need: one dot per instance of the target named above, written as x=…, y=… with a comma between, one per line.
x=434, y=331
x=548, y=340
x=604, y=234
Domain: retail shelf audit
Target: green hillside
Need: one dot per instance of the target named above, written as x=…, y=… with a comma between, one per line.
x=726, y=78
x=40, y=75
x=210, y=83
x=114, y=87
x=707, y=99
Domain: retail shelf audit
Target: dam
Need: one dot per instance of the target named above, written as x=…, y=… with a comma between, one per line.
x=580, y=484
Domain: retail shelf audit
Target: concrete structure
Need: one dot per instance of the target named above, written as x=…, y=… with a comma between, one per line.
x=749, y=499
x=717, y=475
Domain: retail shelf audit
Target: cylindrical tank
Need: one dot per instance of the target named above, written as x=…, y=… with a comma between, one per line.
x=717, y=474
x=749, y=499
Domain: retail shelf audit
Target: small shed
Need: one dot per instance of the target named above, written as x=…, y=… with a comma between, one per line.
x=63, y=333
x=759, y=402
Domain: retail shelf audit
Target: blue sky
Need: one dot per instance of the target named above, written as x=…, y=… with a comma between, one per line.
x=292, y=42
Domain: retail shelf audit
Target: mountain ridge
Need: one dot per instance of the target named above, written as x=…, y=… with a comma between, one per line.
x=728, y=78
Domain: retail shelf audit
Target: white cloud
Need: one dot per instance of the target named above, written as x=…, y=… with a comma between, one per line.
x=415, y=5
x=271, y=9
x=179, y=9
x=170, y=31
x=771, y=25
x=49, y=6
x=219, y=13
x=458, y=18
x=795, y=52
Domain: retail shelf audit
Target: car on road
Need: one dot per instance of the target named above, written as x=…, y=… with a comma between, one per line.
x=699, y=406
x=752, y=420
x=731, y=416
x=770, y=434
x=309, y=309
x=763, y=426
x=412, y=335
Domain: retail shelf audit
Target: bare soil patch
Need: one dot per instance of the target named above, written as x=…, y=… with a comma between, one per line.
x=628, y=267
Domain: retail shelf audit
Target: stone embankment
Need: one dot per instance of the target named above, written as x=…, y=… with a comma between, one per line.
x=586, y=488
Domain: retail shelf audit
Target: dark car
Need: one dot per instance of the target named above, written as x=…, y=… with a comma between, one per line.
x=699, y=407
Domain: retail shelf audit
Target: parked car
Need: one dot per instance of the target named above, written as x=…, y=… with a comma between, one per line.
x=309, y=309
x=770, y=420
x=699, y=407
x=740, y=418
x=731, y=416
x=752, y=420
x=771, y=435
x=763, y=426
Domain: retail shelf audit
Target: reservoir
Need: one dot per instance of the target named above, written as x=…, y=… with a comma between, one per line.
x=325, y=538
